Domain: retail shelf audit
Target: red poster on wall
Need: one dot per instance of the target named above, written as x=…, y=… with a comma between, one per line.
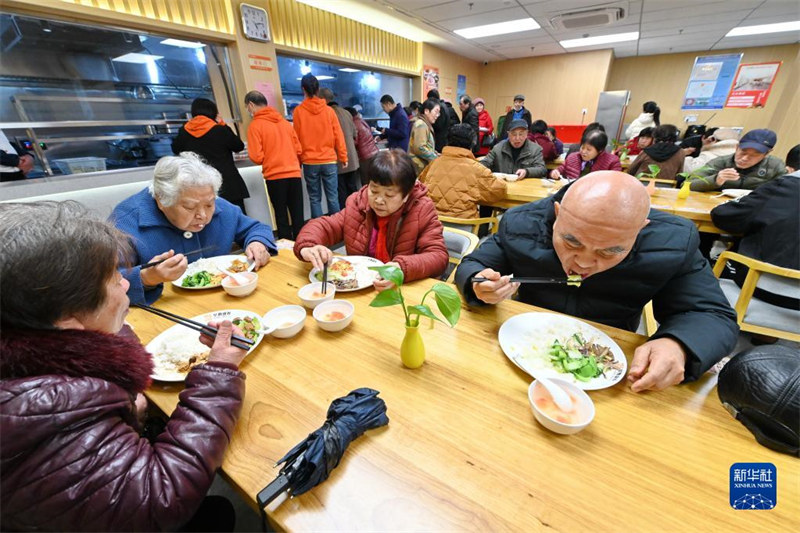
x=430, y=78
x=752, y=84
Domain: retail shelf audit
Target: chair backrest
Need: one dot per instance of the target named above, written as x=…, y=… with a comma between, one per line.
x=258, y=205
x=469, y=224
x=459, y=244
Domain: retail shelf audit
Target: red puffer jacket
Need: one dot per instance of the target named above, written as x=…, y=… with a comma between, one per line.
x=414, y=238
x=571, y=167
x=365, y=142
x=70, y=453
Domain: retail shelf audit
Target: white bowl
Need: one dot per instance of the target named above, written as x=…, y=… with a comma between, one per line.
x=573, y=422
x=341, y=306
x=311, y=294
x=240, y=290
x=287, y=320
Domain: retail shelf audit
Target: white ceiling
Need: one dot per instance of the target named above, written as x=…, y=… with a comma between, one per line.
x=664, y=26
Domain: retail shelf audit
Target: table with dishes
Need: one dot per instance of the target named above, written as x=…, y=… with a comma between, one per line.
x=696, y=207
x=462, y=450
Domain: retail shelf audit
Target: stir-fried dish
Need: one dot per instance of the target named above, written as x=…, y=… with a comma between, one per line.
x=583, y=359
x=238, y=266
x=203, y=278
x=249, y=326
x=341, y=273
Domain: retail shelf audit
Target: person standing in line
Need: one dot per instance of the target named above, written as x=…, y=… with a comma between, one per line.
x=399, y=131
x=207, y=135
x=469, y=115
x=423, y=148
x=349, y=182
x=365, y=144
x=484, y=125
x=518, y=112
x=442, y=124
x=273, y=144
x=322, y=140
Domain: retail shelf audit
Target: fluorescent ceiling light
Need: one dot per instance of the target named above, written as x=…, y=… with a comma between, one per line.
x=348, y=69
x=510, y=26
x=133, y=57
x=764, y=28
x=600, y=39
x=182, y=44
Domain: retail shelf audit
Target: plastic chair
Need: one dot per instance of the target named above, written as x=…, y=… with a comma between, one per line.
x=752, y=314
x=459, y=244
x=474, y=223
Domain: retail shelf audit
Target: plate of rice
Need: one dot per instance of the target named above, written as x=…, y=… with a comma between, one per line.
x=177, y=350
x=207, y=273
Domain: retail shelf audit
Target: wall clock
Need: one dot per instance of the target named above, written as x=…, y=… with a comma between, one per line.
x=255, y=23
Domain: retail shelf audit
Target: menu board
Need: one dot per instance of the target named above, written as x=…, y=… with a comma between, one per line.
x=710, y=81
x=752, y=85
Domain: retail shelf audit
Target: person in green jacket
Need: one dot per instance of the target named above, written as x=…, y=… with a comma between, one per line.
x=749, y=167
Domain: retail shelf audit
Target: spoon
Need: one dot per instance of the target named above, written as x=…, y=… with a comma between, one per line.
x=560, y=396
x=238, y=278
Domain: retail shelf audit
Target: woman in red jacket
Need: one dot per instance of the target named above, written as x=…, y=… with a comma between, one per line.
x=71, y=452
x=590, y=158
x=391, y=219
x=484, y=125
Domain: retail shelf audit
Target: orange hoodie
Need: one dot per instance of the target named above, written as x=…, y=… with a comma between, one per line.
x=199, y=125
x=319, y=132
x=273, y=144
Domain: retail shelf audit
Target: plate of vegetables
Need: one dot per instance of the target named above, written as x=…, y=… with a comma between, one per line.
x=207, y=273
x=558, y=346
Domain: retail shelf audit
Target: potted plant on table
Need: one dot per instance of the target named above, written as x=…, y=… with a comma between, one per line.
x=412, y=350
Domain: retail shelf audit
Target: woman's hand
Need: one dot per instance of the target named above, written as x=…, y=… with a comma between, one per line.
x=257, y=253
x=317, y=255
x=381, y=284
x=221, y=349
x=170, y=270
x=555, y=174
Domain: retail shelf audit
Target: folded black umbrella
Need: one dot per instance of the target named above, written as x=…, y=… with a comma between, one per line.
x=310, y=462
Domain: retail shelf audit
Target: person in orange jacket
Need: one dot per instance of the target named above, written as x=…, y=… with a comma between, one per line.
x=273, y=144
x=322, y=140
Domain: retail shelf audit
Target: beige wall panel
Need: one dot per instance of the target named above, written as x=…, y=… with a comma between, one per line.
x=663, y=79
x=450, y=66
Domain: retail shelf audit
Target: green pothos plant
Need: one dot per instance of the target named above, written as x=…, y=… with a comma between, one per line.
x=446, y=297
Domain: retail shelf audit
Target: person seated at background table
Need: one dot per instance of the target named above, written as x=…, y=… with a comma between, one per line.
x=602, y=228
x=589, y=127
x=637, y=144
x=390, y=219
x=422, y=146
x=178, y=213
x=664, y=153
x=767, y=220
x=516, y=155
x=722, y=142
x=457, y=183
x=551, y=134
x=649, y=118
x=208, y=136
x=749, y=167
x=591, y=157
x=71, y=451
x=538, y=134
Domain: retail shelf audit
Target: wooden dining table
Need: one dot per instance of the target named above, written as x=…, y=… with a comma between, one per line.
x=697, y=207
x=462, y=450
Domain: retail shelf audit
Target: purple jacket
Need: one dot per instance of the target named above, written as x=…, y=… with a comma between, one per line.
x=70, y=451
x=365, y=142
x=571, y=167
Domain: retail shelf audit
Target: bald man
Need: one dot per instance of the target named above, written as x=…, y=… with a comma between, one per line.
x=601, y=228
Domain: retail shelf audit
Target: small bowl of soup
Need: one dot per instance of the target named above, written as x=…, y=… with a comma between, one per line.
x=334, y=315
x=287, y=320
x=240, y=290
x=311, y=294
x=550, y=416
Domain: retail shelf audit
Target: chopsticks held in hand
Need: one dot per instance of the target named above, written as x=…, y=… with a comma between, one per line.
x=204, y=329
x=535, y=280
x=325, y=278
x=154, y=263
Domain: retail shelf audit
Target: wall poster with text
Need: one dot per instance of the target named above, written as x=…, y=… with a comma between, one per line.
x=710, y=81
x=752, y=84
x=430, y=78
x=462, y=86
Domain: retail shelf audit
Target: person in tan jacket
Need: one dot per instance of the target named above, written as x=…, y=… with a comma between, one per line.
x=457, y=183
x=349, y=180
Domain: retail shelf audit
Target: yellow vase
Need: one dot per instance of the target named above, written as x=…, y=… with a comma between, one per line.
x=685, y=190
x=412, y=350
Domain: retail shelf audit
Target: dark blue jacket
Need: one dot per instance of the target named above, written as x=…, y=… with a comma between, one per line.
x=399, y=131
x=664, y=265
x=152, y=234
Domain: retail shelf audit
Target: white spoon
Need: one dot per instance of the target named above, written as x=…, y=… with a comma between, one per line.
x=238, y=278
x=560, y=396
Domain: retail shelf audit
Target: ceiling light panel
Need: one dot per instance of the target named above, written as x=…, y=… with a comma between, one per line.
x=499, y=28
x=764, y=28
x=600, y=40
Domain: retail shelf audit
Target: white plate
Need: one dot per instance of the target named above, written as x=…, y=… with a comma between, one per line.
x=221, y=261
x=361, y=264
x=526, y=340
x=735, y=193
x=178, y=333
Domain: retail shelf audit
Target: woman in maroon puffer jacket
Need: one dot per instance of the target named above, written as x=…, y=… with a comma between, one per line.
x=71, y=454
x=590, y=158
x=390, y=219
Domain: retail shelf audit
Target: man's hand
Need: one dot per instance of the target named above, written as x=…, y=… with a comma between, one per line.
x=521, y=173
x=555, y=174
x=25, y=163
x=726, y=174
x=657, y=364
x=170, y=270
x=381, y=284
x=496, y=290
x=317, y=255
x=221, y=349
x=257, y=253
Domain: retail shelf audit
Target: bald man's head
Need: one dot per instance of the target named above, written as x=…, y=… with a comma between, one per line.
x=598, y=220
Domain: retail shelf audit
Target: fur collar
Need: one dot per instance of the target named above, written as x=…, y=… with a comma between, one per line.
x=78, y=353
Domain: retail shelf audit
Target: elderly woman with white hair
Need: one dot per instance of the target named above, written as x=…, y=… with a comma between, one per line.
x=179, y=213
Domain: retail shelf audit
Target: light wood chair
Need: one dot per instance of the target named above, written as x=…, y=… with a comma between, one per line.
x=474, y=223
x=752, y=314
x=459, y=244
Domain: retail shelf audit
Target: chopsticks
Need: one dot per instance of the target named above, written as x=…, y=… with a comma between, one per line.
x=528, y=280
x=154, y=263
x=325, y=278
x=204, y=329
